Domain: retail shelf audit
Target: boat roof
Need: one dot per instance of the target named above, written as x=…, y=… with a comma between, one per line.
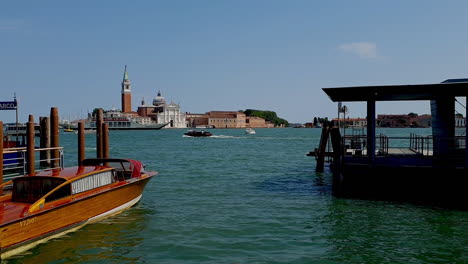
x=448, y=88
x=69, y=172
x=89, y=166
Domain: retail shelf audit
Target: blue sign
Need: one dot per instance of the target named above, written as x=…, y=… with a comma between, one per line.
x=11, y=105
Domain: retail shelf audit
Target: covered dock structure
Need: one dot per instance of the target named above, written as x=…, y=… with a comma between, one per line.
x=420, y=168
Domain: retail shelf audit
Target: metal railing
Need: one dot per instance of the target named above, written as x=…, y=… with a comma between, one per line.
x=414, y=144
x=15, y=163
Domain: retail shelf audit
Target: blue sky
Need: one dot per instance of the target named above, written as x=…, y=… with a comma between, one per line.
x=225, y=55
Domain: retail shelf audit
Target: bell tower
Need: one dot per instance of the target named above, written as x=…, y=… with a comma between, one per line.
x=126, y=93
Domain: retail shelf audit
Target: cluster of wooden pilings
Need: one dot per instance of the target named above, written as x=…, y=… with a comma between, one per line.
x=329, y=130
x=49, y=142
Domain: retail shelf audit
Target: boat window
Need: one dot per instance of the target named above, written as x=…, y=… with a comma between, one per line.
x=64, y=191
x=92, y=181
x=29, y=190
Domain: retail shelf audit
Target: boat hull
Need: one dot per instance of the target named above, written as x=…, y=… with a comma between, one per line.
x=27, y=232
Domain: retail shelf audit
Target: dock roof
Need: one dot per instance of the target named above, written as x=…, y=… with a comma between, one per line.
x=448, y=88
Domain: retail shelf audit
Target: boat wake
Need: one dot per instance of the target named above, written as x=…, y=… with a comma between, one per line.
x=223, y=136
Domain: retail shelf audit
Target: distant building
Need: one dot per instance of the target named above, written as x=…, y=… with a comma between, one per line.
x=225, y=119
x=162, y=112
x=460, y=121
x=355, y=122
x=399, y=121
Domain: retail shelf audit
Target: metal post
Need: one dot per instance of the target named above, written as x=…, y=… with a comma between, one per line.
x=17, y=123
x=30, y=146
x=81, y=143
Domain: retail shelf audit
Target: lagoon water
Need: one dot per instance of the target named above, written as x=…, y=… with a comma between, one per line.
x=238, y=198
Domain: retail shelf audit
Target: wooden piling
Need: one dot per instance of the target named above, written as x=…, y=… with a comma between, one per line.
x=45, y=141
x=322, y=149
x=54, y=136
x=1, y=157
x=99, y=121
x=30, y=161
x=105, y=140
x=81, y=143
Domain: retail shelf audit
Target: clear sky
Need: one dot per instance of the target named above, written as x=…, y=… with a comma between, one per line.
x=225, y=55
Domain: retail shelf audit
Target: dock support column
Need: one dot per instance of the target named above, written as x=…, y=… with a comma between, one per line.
x=54, y=137
x=443, y=127
x=371, y=130
x=30, y=146
x=466, y=133
x=99, y=121
x=1, y=157
x=45, y=141
x=105, y=140
x=81, y=143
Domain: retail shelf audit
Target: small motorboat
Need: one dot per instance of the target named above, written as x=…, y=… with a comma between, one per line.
x=195, y=133
x=249, y=131
x=87, y=131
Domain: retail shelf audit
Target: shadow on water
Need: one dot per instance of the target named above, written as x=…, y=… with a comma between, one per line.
x=362, y=231
x=122, y=237
x=298, y=182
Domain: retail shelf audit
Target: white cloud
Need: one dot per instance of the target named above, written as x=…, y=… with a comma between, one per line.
x=362, y=49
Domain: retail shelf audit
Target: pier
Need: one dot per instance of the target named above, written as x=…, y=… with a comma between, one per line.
x=428, y=169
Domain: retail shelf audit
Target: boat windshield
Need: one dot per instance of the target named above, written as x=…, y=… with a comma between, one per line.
x=31, y=189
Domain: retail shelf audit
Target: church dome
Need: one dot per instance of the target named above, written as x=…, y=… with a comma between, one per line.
x=159, y=100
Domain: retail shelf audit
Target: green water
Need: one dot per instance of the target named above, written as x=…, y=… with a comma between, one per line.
x=237, y=198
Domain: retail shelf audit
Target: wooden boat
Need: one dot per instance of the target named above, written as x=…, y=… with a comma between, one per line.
x=57, y=201
x=195, y=133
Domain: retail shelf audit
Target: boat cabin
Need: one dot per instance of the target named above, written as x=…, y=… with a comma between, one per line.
x=51, y=185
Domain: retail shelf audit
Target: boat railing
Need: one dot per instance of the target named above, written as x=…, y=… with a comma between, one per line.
x=15, y=163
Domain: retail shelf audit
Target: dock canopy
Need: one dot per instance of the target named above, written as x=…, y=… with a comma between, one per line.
x=448, y=88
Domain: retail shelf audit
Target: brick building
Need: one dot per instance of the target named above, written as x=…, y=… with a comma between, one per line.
x=225, y=119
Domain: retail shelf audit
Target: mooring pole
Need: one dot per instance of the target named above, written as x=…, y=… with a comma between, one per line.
x=1, y=157
x=81, y=143
x=54, y=136
x=99, y=121
x=45, y=141
x=105, y=140
x=30, y=146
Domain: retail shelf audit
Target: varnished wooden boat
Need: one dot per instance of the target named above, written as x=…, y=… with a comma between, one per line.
x=54, y=202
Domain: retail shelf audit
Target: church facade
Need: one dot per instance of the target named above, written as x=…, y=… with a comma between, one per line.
x=159, y=111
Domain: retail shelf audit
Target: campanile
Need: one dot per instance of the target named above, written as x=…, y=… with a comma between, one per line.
x=126, y=93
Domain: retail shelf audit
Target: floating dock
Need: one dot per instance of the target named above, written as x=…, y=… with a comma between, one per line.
x=415, y=168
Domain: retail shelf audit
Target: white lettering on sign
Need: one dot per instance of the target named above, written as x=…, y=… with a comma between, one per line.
x=7, y=105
